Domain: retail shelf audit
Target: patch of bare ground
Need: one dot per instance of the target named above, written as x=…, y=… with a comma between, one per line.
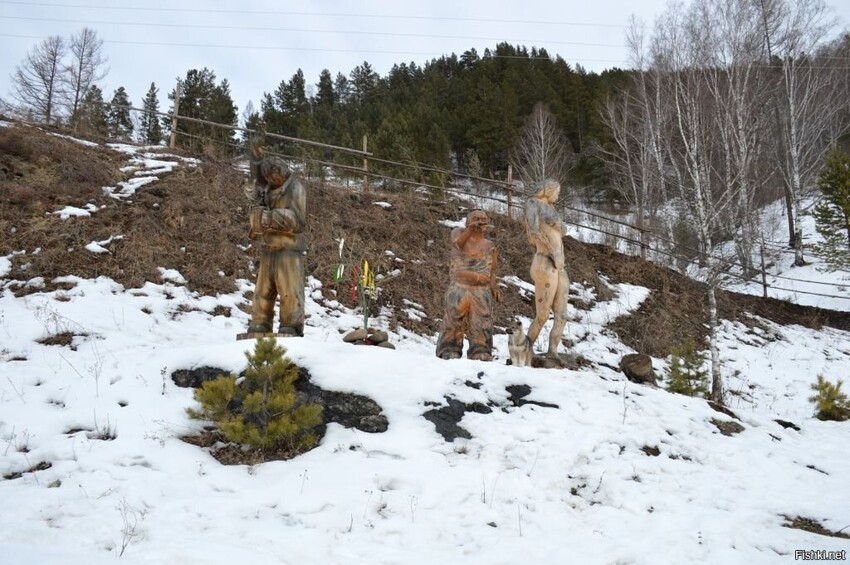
x=195, y=220
x=811, y=525
x=232, y=454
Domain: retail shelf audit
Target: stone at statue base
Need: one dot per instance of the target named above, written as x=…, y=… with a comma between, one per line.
x=546, y=361
x=257, y=335
x=638, y=368
x=368, y=336
x=561, y=361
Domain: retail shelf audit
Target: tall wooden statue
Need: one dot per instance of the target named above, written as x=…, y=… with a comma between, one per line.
x=472, y=290
x=551, y=284
x=278, y=223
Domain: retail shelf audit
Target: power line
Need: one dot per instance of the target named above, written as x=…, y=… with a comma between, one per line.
x=310, y=49
x=323, y=14
x=373, y=174
x=305, y=30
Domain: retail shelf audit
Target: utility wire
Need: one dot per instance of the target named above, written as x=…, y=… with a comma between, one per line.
x=314, y=49
x=360, y=171
x=450, y=190
x=321, y=14
x=304, y=30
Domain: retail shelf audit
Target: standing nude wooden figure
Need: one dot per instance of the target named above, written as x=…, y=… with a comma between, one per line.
x=551, y=284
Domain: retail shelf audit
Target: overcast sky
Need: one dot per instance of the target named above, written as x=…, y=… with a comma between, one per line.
x=255, y=44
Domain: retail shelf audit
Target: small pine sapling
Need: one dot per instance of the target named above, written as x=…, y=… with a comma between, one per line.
x=830, y=402
x=261, y=410
x=687, y=374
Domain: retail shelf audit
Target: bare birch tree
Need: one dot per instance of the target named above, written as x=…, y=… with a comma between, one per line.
x=87, y=65
x=721, y=90
x=737, y=82
x=542, y=151
x=635, y=119
x=37, y=82
x=683, y=50
x=806, y=106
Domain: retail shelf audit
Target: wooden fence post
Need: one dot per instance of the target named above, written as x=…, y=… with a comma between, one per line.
x=172, y=142
x=510, y=192
x=365, y=164
x=763, y=272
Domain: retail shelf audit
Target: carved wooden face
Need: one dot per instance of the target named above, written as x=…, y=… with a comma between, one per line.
x=478, y=217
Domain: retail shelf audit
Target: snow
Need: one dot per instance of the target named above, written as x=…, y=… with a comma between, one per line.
x=101, y=246
x=453, y=223
x=73, y=211
x=566, y=484
x=146, y=167
x=172, y=275
x=74, y=139
x=811, y=285
x=534, y=484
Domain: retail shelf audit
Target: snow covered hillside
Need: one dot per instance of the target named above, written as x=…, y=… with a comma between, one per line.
x=561, y=466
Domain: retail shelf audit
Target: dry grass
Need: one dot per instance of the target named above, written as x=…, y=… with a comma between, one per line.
x=194, y=220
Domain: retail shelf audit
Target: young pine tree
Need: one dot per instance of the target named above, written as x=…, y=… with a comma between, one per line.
x=150, y=130
x=261, y=411
x=119, y=122
x=687, y=374
x=830, y=402
x=832, y=215
x=91, y=117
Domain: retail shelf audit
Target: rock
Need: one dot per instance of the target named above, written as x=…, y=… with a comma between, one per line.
x=562, y=361
x=638, y=368
x=386, y=344
x=727, y=427
x=360, y=334
x=378, y=336
x=195, y=378
x=722, y=409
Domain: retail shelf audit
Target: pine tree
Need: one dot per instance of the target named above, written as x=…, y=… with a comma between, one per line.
x=830, y=402
x=262, y=410
x=832, y=215
x=202, y=98
x=119, y=122
x=687, y=374
x=91, y=117
x=150, y=130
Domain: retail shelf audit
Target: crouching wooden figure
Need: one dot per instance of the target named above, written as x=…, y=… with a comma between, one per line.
x=472, y=290
x=277, y=225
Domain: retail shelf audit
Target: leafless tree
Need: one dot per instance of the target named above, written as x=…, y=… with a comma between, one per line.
x=542, y=151
x=683, y=51
x=738, y=85
x=37, y=82
x=807, y=108
x=87, y=65
x=635, y=120
x=721, y=89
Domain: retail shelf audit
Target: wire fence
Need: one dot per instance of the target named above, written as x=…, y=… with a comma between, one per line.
x=502, y=192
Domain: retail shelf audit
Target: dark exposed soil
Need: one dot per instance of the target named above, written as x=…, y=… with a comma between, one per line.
x=812, y=525
x=233, y=454
x=194, y=220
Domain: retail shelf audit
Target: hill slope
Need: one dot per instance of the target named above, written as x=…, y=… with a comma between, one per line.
x=561, y=466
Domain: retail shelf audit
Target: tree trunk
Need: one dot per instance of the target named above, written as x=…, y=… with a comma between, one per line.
x=716, y=378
